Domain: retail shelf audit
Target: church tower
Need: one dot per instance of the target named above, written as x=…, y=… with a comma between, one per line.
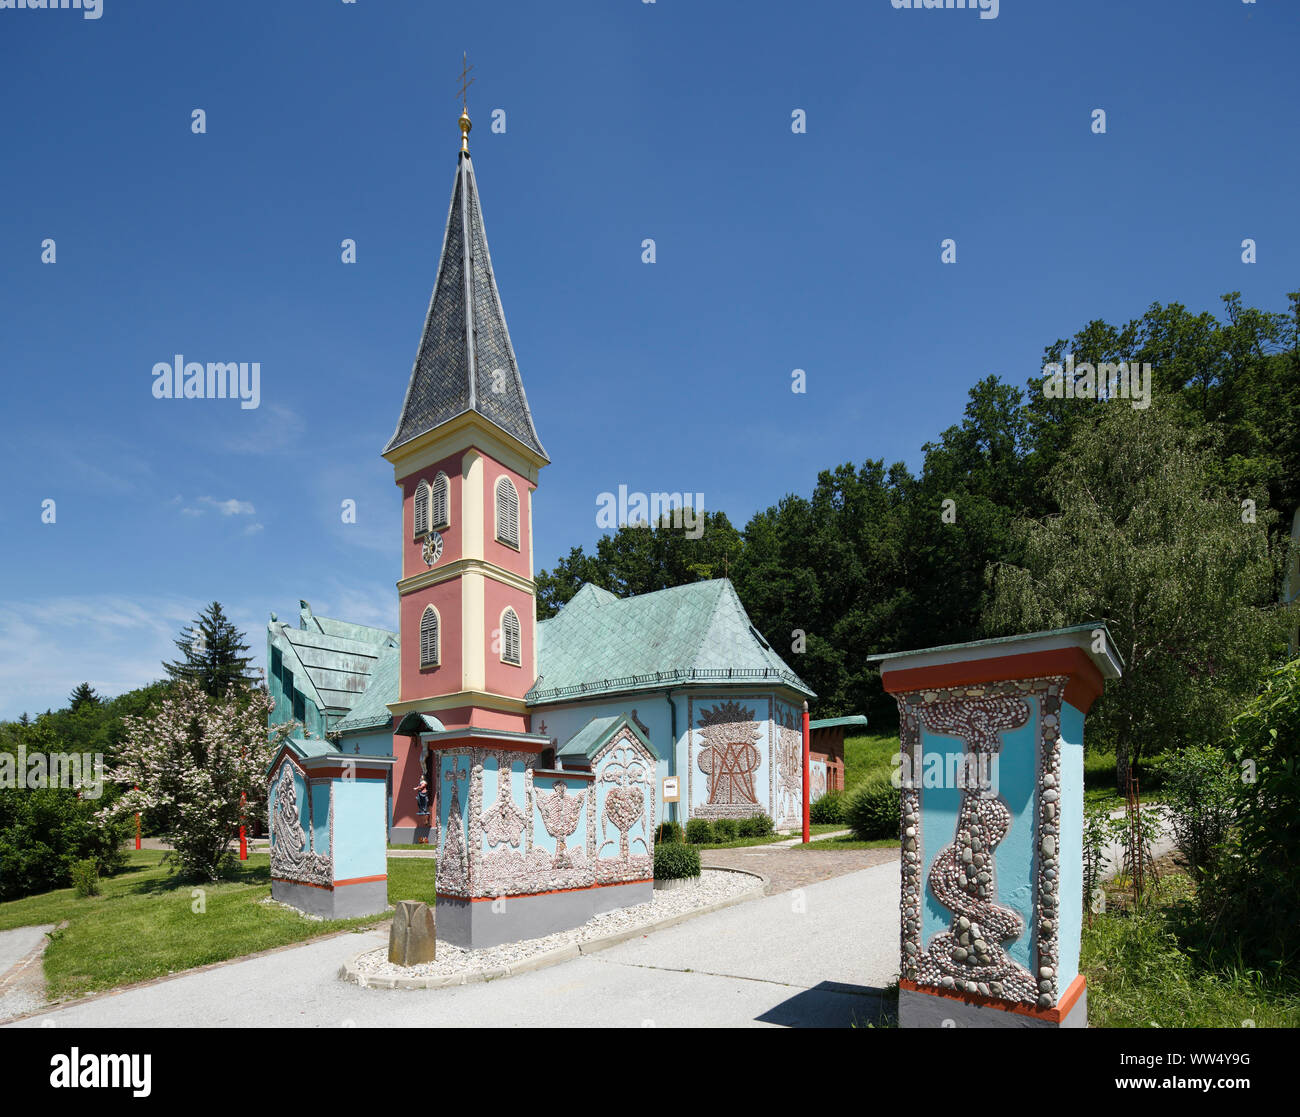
x=466, y=456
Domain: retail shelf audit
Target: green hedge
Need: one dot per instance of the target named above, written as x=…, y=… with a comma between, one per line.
x=676, y=861
x=828, y=809
x=725, y=830
x=873, y=810
x=755, y=826
x=699, y=832
x=668, y=832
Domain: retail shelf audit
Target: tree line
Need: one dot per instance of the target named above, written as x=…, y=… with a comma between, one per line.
x=1170, y=522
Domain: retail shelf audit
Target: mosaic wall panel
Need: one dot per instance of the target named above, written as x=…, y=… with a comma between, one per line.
x=293, y=856
x=621, y=810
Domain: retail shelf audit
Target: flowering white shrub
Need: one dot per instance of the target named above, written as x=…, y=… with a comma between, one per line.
x=188, y=764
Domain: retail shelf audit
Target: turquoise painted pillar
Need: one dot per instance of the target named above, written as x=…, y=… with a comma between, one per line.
x=991, y=742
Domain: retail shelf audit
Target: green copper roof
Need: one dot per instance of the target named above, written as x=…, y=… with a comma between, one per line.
x=831, y=723
x=371, y=709
x=305, y=748
x=698, y=633
x=591, y=737
x=331, y=660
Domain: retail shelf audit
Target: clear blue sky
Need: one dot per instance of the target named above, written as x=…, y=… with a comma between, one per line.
x=624, y=120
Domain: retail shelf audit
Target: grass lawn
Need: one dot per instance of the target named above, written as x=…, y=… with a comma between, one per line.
x=847, y=842
x=144, y=925
x=868, y=755
x=409, y=845
x=736, y=843
x=1148, y=969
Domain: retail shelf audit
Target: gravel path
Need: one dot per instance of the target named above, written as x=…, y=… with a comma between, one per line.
x=713, y=887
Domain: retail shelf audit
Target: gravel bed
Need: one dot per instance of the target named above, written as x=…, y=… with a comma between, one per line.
x=714, y=886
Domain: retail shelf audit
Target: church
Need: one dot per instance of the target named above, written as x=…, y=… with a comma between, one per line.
x=538, y=757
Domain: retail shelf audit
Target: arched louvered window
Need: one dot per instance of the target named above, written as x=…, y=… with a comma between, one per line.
x=507, y=512
x=510, y=638
x=421, y=509
x=429, y=637
x=440, y=502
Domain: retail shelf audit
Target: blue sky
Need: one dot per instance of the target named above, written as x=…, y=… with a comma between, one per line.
x=624, y=120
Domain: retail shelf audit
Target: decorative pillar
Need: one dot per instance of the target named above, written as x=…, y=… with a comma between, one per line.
x=991, y=741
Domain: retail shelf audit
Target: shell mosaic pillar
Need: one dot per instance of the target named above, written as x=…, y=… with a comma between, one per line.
x=328, y=815
x=992, y=826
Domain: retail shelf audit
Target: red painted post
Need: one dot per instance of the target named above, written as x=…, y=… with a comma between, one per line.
x=137, y=824
x=243, y=838
x=807, y=773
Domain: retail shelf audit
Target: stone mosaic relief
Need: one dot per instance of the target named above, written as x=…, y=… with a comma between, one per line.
x=291, y=859
x=504, y=856
x=788, y=799
x=969, y=956
x=621, y=839
x=729, y=758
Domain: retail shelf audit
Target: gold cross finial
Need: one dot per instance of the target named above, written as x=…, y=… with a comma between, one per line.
x=465, y=82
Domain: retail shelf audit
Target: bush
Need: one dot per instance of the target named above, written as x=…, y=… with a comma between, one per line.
x=724, y=830
x=1250, y=897
x=676, y=861
x=873, y=810
x=44, y=833
x=1199, y=784
x=85, y=877
x=756, y=826
x=668, y=832
x=828, y=809
x=699, y=832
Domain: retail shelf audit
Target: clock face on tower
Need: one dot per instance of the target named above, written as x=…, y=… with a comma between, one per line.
x=432, y=548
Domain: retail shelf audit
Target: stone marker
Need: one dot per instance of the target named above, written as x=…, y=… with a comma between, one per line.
x=412, y=940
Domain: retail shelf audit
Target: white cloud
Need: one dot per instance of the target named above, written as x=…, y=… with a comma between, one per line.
x=230, y=507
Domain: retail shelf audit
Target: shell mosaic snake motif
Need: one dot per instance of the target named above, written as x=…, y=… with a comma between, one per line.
x=963, y=877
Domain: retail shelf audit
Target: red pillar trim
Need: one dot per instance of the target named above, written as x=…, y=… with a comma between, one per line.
x=1084, y=686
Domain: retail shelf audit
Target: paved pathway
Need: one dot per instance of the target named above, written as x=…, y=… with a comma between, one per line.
x=793, y=868
x=22, y=978
x=819, y=956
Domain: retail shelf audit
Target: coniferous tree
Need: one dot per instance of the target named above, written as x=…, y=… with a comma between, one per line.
x=83, y=695
x=212, y=649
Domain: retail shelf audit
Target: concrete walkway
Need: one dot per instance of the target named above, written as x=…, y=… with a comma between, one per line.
x=817, y=956
x=22, y=976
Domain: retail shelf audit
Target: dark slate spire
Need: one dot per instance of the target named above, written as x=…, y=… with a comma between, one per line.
x=465, y=361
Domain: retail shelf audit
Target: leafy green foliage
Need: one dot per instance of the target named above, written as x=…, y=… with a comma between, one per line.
x=85, y=878
x=668, y=831
x=829, y=808
x=1145, y=527
x=755, y=826
x=1251, y=895
x=699, y=831
x=725, y=829
x=676, y=861
x=874, y=810
x=1199, y=787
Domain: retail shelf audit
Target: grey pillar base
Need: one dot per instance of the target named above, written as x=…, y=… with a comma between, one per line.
x=926, y=1010
x=474, y=925
x=344, y=902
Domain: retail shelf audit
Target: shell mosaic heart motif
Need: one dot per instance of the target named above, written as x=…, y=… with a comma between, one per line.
x=623, y=806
